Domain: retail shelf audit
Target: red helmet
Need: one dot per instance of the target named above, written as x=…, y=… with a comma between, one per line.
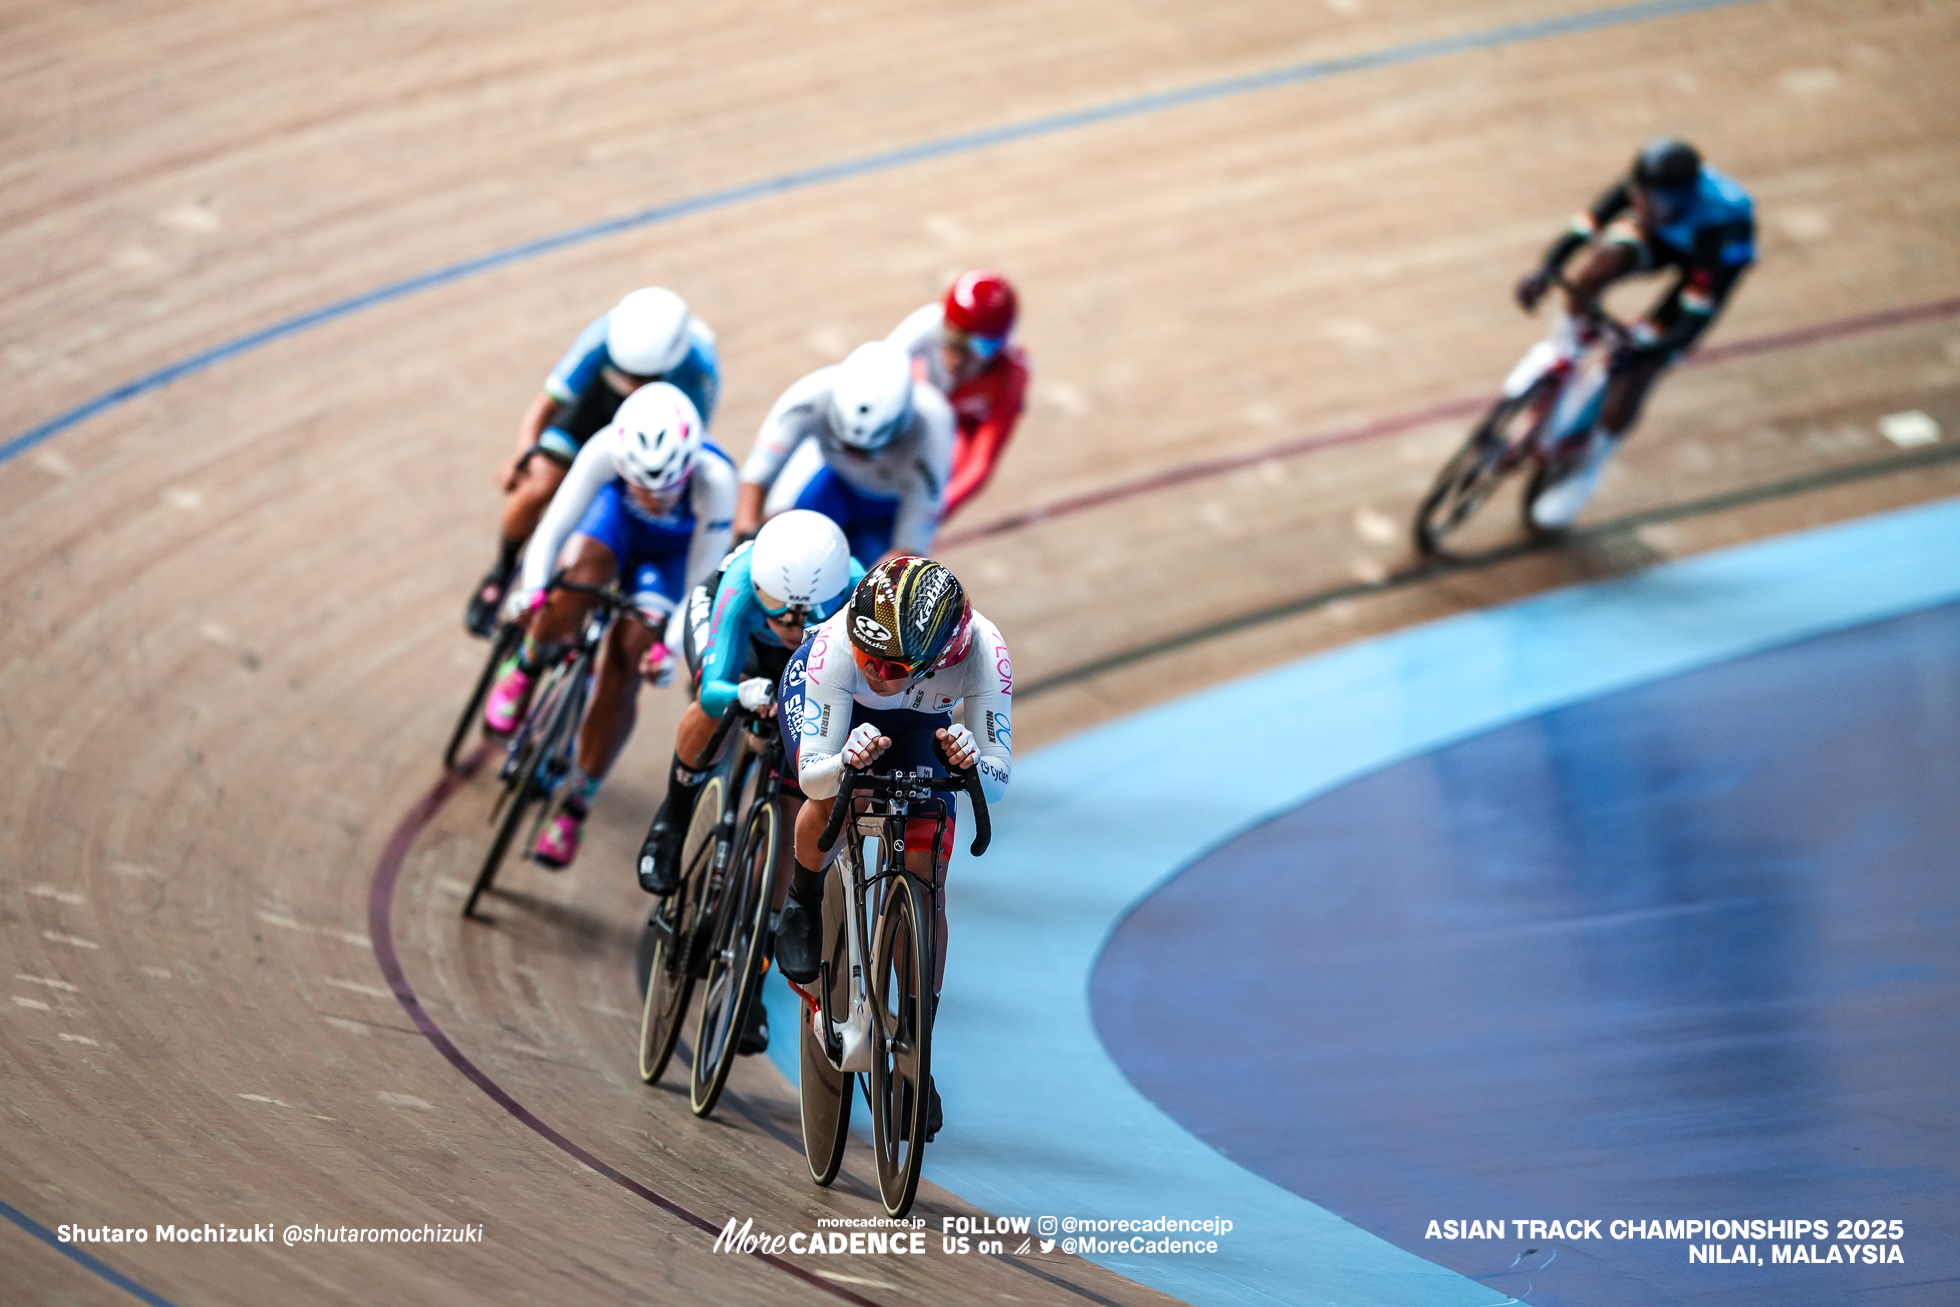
x=981, y=303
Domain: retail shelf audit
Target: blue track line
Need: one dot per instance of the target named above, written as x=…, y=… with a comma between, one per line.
x=74, y=1254
x=882, y=161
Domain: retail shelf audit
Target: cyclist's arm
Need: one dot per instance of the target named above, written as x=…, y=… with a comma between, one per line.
x=728, y=635
x=711, y=490
x=974, y=462
x=1585, y=226
x=919, y=337
x=794, y=417
x=1702, y=293
x=590, y=472
x=988, y=706
x=829, y=680
x=922, y=490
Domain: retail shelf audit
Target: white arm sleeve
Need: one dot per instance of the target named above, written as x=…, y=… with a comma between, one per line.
x=988, y=707
x=590, y=472
x=924, y=490
x=712, y=496
x=829, y=675
x=794, y=417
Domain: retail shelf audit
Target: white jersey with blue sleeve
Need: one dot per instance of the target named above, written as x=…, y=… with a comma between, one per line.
x=698, y=375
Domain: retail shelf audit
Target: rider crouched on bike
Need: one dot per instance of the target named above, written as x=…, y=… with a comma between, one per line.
x=649, y=501
x=861, y=442
x=648, y=336
x=737, y=633
x=737, y=639
x=1673, y=211
x=961, y=345
x=878, y=685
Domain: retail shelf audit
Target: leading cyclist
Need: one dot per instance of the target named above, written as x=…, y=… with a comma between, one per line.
x=1672, y=211
x=648, y=336
x=878, y=683
x=649, y=501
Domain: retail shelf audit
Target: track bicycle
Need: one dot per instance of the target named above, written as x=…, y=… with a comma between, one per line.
x=1549, y=399
x=538, y=756
x=714, y=928
x=874, y=1022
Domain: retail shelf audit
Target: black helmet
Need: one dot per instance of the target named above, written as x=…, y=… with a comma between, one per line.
x=1666, y=164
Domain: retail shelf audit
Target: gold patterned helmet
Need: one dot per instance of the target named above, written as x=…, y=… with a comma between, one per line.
x=909, y=616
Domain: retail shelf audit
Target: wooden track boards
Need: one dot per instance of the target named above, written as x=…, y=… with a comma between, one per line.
x=230, y=647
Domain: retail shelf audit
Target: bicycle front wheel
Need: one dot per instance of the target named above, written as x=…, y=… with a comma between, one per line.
x=670, y=981
x=901, y=1060
x=734, y=976
x=824, y=1091
x=1474, y=472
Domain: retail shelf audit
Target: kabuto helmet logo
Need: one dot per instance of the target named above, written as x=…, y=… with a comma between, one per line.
x=870, y=630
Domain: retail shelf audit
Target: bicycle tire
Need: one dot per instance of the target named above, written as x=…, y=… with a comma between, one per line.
x=1480, y=465
x=559, y=703
x=901, y=1058
x=734, y=976
x=823, y=1091
x=670, y=981
x=508, y=636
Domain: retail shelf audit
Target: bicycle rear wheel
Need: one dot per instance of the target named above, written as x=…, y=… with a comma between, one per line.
x=508, y=637
x=901, y=1058
x=1474, y=472
x=824, y=1091
x=670, y=981
x=734, y=976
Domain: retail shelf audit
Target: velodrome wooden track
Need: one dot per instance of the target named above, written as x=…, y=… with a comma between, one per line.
x=231, y=642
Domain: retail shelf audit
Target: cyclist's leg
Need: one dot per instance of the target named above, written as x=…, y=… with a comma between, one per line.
x=539, y=480
x=799, y=925
x=588, y=560
x=655, y=588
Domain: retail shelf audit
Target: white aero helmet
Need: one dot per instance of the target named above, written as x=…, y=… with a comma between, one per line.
x=646, y=333
x=801, y=560
x=655, y=435
x=871, y=396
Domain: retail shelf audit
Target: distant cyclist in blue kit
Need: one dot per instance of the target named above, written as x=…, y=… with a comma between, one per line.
x=1672, y=211
x=648, y=336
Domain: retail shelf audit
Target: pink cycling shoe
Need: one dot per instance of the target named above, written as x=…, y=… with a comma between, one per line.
x=558, y=843
x=505, y=707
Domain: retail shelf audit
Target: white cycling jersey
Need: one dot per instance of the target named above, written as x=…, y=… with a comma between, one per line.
x=912, y=469
x=980, y=687
x=706, y=511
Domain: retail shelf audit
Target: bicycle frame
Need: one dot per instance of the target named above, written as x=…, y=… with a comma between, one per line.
x=1578, y=369
x=848, y=1042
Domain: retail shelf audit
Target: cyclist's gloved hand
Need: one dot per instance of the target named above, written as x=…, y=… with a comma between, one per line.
x=658, y=666
x=864, y=746
x=521, y=603
x=955, y=746
x=1532, y=289
x=756, y=694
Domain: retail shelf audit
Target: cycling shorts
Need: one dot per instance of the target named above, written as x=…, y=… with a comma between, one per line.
x=651, y=553
x=867, y=520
